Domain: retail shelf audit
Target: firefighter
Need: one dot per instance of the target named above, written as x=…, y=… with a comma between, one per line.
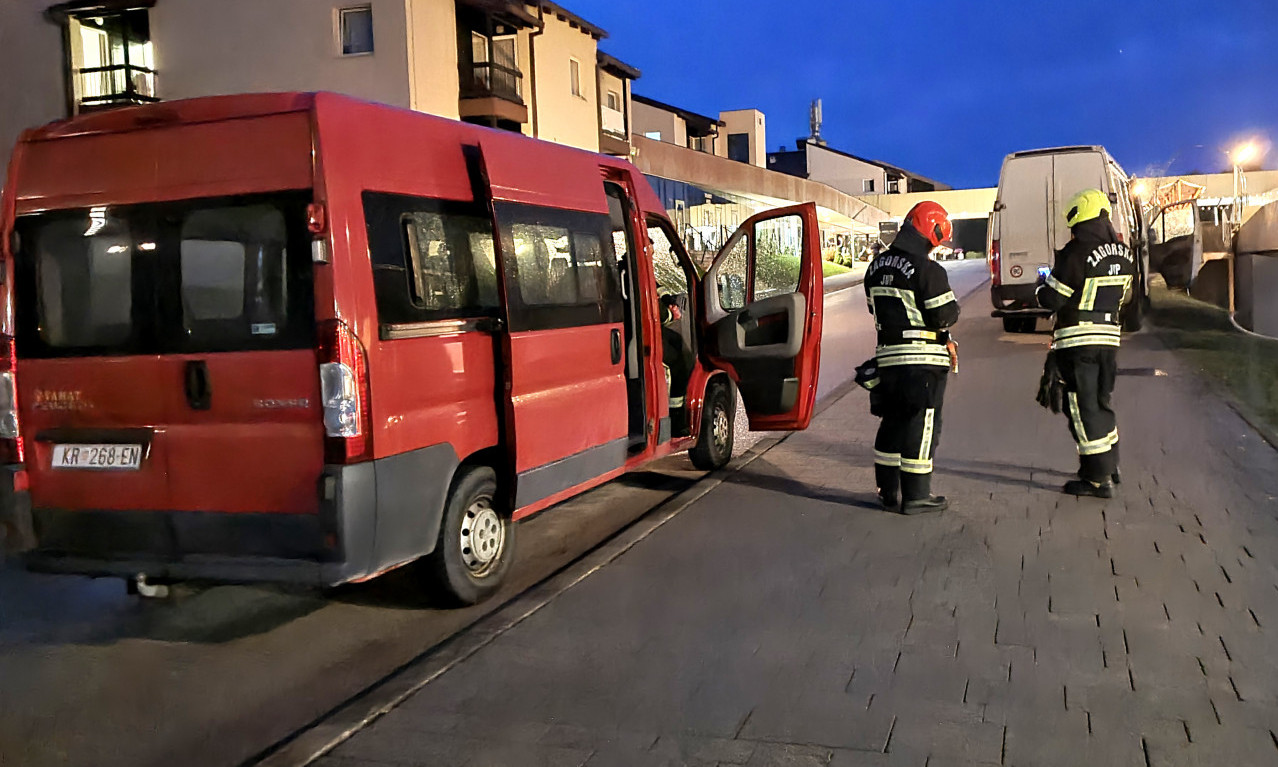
x=909, y=295
x=1087, y=288
x=676, y=349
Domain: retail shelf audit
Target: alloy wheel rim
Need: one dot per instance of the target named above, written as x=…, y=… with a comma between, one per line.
x=721, y=427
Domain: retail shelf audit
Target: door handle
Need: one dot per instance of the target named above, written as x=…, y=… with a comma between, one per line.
x=199, y=390
x=616, y=346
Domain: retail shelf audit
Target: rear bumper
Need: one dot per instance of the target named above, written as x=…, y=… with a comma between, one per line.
x=1016, y=301
x=372, y=516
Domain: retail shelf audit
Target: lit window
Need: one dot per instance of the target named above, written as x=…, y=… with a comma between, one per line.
x=574, y=76
x=356, y=30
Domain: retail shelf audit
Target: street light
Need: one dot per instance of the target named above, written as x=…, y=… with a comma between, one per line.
x=1244, y=154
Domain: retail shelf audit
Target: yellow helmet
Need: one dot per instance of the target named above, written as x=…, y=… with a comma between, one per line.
x=1085, y=206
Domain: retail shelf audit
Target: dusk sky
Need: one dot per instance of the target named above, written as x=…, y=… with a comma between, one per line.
x=946, y=89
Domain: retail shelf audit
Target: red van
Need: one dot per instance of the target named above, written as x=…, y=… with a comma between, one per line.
x=302, y=337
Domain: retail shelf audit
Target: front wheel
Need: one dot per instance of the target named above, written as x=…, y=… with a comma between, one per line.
x=1133, y=315
x=714, y=440
x=476, y=541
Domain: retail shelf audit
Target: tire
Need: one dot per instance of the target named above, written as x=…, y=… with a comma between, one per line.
x=718, y=422
x=476, y=541
x=1133, y=315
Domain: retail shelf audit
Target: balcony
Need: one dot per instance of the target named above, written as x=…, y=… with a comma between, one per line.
x=492, y=92
x=116, y=85
x=614, y=139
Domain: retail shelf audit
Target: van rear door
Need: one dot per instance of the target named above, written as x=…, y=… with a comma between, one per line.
x=763, y=302
x=166, y=357
x=1072, y=172
x=1026, y=218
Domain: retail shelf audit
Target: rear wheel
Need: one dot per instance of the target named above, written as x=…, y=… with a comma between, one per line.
x=1019, y=324
x=1133, y=315
x=476, y=541
x=714, y=440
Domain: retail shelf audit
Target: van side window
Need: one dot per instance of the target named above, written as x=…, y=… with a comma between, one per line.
x=432, y=259
x=665, y=262
x=561, y=268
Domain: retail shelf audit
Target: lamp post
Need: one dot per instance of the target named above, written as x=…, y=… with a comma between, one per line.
x=1240, y=156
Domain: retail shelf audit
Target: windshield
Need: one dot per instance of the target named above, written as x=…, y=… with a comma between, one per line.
x=230, y=274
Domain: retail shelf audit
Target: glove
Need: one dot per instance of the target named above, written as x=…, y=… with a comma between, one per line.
x=1051, y=387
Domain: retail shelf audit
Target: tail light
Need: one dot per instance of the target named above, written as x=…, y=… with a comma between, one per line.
x=11, y=447
x=343, y=372
x=996, y=264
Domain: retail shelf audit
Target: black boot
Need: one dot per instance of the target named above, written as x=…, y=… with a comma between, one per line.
x=888, y=480
x=925, y=505
x=1083, y=488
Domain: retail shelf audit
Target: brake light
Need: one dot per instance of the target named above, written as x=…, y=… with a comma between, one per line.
x=996, y=264
x=343, y=372
x=12, y=449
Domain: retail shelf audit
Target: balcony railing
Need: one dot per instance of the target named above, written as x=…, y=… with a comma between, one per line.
x=119, y=84
x=613, y=121
x=489, y=79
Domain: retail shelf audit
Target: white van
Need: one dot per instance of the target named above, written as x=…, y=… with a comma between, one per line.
x=1027, y=226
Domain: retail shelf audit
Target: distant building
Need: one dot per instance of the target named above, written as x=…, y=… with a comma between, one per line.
x=532, y=67
x=682, y=127
x=847, y=172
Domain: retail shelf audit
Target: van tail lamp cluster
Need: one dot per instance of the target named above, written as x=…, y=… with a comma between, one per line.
x=344, y=391
x=11, y=447
x=996, y=264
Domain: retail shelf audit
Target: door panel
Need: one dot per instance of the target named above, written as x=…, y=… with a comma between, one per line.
x=260, y=444
x=569, y=401
x=95, y=401
x=763, y=304
x=1026, y=219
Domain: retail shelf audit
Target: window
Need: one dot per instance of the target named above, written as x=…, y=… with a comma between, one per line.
x=574, y=76
x=432, y=260
x=778, y=254
x=561, y=268
x=867, y=185
x=893, y=186
x=112, y=60
x=739, y=147
x=665, y=261
x=356, y=30
x=733, y=274
x=614, y=101
x=653, y=134
x=191, y=277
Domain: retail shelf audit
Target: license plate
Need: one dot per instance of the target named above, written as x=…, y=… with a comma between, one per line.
x=126, y=457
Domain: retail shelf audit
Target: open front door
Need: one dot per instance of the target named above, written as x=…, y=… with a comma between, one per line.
x=763, y=300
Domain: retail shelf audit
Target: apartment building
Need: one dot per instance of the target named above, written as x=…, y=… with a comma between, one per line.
x=532, y=67
x=846, y=172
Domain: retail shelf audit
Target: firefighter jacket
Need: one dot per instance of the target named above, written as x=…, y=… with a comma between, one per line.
x=1088, y=286
x=913, y=306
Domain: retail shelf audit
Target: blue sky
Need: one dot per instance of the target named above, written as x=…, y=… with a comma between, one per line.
x=946, y=89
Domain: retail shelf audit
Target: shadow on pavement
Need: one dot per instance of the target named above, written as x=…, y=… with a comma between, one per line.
x=799, y=489
x=1000, y=473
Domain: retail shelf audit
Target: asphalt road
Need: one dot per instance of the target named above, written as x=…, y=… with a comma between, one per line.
x=89, y=675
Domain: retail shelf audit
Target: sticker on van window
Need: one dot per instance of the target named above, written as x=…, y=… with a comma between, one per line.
x=263, y=328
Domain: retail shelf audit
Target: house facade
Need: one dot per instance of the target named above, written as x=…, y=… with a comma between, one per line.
x=532, y=67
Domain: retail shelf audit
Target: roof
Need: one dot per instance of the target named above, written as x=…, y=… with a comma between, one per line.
x=879, y=163
x=60, y=11
x=700, y=123
x=564, y=14
x=1057, y=150
x=617, y=66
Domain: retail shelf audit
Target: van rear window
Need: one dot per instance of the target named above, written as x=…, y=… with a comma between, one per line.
x=192, y=277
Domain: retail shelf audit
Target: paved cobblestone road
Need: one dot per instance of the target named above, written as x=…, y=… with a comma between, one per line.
x=784, y=620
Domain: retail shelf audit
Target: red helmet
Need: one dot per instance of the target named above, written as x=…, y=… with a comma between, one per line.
x=930, y=220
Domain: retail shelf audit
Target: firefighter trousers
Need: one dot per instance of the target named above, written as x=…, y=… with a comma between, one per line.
x=910, y=405
x=1089, y=373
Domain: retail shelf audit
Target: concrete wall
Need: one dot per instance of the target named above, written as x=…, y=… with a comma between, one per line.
x=432, y=55
x=750, y=122
x=561, y=116
x=844, y=173
x=237, y=46
x=32, y=86
x=649, y=119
